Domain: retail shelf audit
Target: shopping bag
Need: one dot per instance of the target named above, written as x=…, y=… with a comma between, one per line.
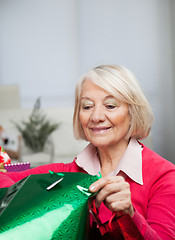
x=46, y=206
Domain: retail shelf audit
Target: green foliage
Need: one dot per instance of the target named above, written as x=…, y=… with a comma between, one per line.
x=37, y=129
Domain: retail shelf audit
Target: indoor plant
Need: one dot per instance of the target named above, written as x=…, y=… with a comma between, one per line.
x=36, y=130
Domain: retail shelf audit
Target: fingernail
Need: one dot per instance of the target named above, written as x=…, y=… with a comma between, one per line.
x=92, y=188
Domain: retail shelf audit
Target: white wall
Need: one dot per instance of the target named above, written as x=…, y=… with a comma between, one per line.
x=45, y=46
x=39, y=48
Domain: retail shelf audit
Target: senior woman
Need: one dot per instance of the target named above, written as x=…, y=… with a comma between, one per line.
x=112, y=113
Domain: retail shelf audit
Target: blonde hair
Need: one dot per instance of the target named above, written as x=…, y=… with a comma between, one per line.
x=123, y=85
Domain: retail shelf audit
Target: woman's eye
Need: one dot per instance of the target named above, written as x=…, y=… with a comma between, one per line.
x=86, y=107
x=110, y=106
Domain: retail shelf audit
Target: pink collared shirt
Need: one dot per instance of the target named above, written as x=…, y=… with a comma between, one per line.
x=130, y=164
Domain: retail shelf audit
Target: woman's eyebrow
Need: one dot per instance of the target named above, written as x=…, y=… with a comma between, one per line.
x=86, y=98
x=109, y=96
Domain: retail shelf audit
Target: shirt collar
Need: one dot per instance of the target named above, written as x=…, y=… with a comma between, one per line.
x=130, y=163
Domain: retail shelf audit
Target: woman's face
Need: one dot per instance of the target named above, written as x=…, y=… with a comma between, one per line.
x=104, y=119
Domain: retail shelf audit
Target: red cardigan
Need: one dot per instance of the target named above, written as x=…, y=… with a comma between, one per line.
x=154, y=201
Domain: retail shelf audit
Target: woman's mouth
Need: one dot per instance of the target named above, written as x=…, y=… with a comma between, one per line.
x=100, y=129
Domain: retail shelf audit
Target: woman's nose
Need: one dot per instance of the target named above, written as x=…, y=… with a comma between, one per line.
x=98, y=114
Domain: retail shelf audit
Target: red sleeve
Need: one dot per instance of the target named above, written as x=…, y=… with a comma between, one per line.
x=8, y=179
x=5, y=180
x=160, y=220
x=159, y=224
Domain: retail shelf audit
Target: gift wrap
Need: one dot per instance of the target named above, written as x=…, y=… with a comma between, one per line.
x=4, y=157
x=28, y=211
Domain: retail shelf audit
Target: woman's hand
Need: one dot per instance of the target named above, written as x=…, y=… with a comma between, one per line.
x=115, y=193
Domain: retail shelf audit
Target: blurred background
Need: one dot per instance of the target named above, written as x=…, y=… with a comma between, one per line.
x=45, y=45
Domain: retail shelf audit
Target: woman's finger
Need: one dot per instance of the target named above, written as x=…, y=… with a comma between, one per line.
x=113, y=191
x=96, y=186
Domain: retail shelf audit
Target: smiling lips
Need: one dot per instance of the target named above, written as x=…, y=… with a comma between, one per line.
x=100, y=129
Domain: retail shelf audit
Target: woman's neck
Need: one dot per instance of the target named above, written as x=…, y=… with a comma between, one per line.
x=110, y=157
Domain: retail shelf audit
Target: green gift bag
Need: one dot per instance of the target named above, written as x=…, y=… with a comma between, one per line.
x=31, y=210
